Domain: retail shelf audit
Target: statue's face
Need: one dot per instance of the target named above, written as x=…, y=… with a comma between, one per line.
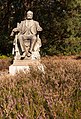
x=29, y=15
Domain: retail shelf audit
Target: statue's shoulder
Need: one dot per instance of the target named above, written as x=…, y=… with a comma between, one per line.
x=36, y=22
x=22, y=22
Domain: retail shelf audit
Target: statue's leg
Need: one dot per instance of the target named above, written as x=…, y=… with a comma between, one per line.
x=21, y=42
x=32, y=43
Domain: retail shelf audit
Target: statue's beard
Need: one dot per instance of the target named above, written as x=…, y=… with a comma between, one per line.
x=29, y=18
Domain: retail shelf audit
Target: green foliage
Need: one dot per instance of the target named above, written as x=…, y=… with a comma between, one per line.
x=60, y=20
x=3, y=57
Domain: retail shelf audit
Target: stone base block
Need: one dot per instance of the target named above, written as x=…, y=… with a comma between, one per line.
x=25, y=66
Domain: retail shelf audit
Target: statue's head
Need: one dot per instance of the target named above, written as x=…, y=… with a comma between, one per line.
x=29, y=15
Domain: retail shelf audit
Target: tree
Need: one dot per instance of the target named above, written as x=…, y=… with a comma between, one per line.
x=60, y=20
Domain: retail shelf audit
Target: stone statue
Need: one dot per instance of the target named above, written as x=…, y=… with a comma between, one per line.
x=27, y=43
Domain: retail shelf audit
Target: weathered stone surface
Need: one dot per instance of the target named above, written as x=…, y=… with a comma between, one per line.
x=25, y=66
x=26, y=46
x=27, y=42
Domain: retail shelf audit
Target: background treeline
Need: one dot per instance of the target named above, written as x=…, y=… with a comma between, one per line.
x=60, y=20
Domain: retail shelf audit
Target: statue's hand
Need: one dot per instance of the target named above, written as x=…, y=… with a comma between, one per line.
x=12, y=34
x=39, y=29
x=15, y=30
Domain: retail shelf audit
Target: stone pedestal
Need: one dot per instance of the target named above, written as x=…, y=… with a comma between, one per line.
x=25, y=66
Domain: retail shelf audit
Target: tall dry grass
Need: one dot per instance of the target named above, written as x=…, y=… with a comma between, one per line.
x=53, y=95
x=4, y=63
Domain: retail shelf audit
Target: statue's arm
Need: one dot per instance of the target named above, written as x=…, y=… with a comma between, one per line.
x=39, y=28
x=17, y=29
x=13, y=31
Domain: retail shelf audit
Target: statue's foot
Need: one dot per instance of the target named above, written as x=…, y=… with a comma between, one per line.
x=29, y=54
x=23, y=55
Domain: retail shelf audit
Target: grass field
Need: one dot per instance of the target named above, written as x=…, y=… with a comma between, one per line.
x=53, y=95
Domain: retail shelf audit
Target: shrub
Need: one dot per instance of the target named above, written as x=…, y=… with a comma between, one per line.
x=53, y=95
x=5, y=62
